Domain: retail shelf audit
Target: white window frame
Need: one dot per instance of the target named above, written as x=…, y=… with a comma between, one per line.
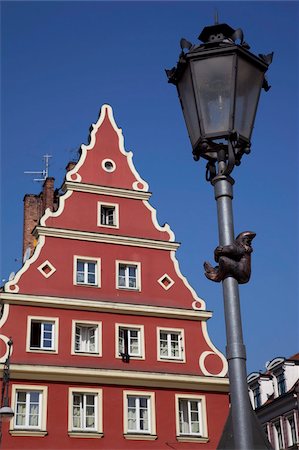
x=139, y=433
x=41, y=428
x=97, y=431
x=115, y=218
x=202, y=436
x=42, y=349
x=181, y=342
x=98, y=337
x=87, y=259
x=276, y=436
x=291, y=441
x=138, y=275
x=140, y=329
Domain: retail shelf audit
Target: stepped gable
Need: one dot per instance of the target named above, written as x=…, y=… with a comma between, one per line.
x=105, y=174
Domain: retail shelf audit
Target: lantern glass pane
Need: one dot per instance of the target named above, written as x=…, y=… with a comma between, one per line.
x=213, y=80
x=249, y=84
x=187, y=98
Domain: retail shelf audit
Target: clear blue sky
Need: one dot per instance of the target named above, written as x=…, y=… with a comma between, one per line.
x=62, y=60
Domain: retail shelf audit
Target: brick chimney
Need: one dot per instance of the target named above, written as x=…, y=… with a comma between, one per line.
x=34, y=208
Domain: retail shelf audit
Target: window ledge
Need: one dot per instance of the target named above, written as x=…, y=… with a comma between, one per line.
x=173, y=360
x=38, y=433
x=85, y=434
x=41, y=350
x=140, y=437
x=192, y=439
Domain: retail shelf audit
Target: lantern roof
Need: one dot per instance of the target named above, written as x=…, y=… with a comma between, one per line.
x=216, y=33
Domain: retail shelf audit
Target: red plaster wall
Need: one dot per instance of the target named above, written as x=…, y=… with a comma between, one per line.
x=113, y=439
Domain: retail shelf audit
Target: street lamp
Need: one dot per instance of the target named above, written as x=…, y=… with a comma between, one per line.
x=219, y=84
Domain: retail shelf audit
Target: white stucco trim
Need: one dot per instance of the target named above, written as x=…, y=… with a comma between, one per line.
x=118, y=377
x=105, y=306
x=105, y=238
x=48, y=213
x=5, y=339
x=107, y=110
x=12, y=286
x=215, y=351
x=106, y=190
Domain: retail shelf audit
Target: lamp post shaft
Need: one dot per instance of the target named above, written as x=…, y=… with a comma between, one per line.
x=235, y=349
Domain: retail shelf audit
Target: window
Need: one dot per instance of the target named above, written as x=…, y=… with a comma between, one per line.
x=292, y=432
x=139, y=414
x=130, y=341
x=86, y=338
x=87, y=271
x=281, y=384
x=128, y=275
x=30, y=405
x=42, y=334
x=170, y=344
x=191, y=418
x=278, y=436
x=85, y=411
x=256, y=396
x=108, y=215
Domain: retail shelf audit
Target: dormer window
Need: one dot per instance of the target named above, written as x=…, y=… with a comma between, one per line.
x=256, y=396
x=281, y=383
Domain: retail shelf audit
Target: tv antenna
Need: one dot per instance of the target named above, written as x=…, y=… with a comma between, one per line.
x=42, y=173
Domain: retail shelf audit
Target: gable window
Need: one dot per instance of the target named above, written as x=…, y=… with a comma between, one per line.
x=170, y=344
x=128, y=275
x=108, y=215
x=42, y=334
x=191, y=418
x=139, y=414
x=85, y=411
x=86, y=271
x=86, y=338
x=30, y=406
x=130, y=342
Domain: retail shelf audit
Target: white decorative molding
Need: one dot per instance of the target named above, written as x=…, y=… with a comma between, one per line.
x=105, y=306
x=42, y=267
x=106, y=162
x=5, y=312
x=105, y=238
x=5, y=339
x=118, y=377
x=106, y=190
x=106, y=110
x=168, y=279
x=48, y=213
x=215, y=351
x=198, y=300
x=12, y=286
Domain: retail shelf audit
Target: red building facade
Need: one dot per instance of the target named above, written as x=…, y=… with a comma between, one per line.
x=110, y=345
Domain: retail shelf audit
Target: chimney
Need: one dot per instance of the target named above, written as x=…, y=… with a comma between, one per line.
x=34, y=208
x=48, y=193
x=32, y=214
x=70, y=166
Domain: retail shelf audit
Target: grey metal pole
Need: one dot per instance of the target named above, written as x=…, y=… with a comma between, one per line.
x=235, y=349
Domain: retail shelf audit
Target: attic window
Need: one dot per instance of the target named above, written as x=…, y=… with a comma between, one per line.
x=46, y=269
x=165, y=281
x=108, y=165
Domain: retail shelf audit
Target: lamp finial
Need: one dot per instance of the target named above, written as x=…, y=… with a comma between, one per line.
x=216, y=20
